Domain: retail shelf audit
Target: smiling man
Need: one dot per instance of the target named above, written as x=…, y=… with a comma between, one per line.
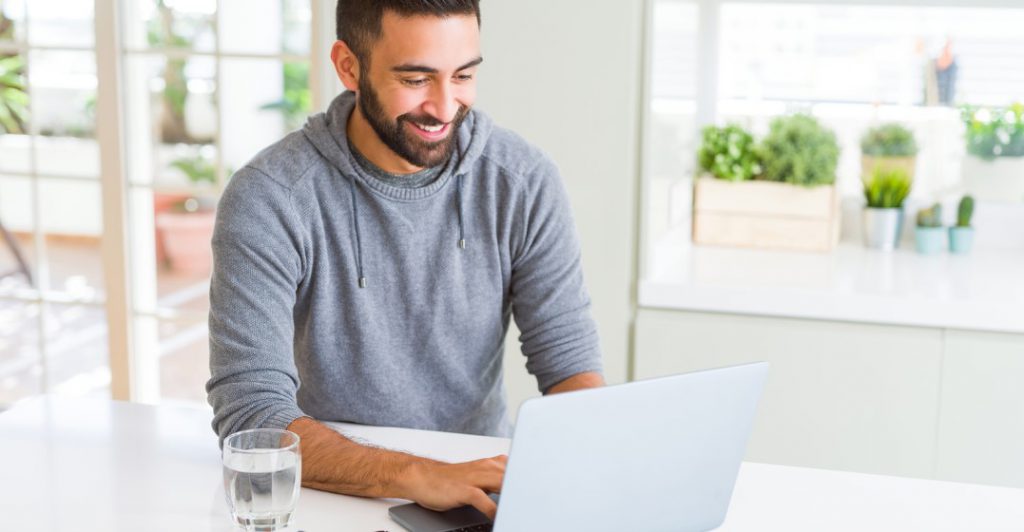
x=366, y=267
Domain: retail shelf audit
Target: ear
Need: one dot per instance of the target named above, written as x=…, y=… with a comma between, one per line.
x=346, y=65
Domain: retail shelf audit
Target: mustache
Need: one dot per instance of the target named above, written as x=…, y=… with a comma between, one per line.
x=429, y=121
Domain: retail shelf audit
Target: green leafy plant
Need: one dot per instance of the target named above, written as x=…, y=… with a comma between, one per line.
x=965, y=211
x=297, y=101
x=993, y=131
x=729, y=153
x=930, y=217
x=888, y=140
x=800, y=151
x=198, y=169
x=13, y=96
x=887, y=188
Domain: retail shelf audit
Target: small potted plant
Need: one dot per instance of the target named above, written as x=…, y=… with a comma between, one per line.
x=885, y=192
x=888, y=146
x=929, y=237
x=961, y=236
x=185, y=227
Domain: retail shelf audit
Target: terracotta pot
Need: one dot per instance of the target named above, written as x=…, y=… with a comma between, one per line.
x=187, y=237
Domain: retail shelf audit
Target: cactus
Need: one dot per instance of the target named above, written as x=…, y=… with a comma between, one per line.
x=964, y=212
x=930, y=217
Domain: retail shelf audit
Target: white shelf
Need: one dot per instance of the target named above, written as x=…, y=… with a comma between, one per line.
x=983, y=291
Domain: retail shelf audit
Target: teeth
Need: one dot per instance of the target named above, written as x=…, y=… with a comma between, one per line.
x=430, y=129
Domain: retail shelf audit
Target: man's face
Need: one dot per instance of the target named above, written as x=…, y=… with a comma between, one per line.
x=420, y=84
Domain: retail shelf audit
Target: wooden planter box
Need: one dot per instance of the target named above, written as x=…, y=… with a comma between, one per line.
x=763, y=214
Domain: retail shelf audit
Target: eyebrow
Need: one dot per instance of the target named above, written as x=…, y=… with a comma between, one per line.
x=430, y=70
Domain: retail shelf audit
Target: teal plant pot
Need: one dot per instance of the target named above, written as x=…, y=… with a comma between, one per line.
x=930, y=240
x=961, y=239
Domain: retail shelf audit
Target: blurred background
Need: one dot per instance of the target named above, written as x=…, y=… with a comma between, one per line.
x=121, y=121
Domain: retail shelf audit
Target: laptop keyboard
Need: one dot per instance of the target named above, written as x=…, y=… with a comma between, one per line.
x=486, y=527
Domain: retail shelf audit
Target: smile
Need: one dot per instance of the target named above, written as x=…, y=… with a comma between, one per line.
x=431, y=132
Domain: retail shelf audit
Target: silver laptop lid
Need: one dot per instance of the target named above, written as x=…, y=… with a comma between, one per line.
x=658, y=454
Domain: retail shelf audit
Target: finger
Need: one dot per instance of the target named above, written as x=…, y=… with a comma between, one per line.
x=479, y=500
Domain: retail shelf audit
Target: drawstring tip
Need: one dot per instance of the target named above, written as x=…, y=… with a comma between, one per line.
x=362, y=282
x=462, y=243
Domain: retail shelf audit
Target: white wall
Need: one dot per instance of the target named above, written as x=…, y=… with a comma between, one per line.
x=566, y=76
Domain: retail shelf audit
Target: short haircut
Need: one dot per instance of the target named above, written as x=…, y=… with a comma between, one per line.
x=359, y=21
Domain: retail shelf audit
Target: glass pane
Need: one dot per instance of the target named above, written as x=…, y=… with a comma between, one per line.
x=172, y=121
x=671, y=131
x=64, y=92
x=76, y=350
x=17, y=246
x=12, y=20
x=855, y=67
x=60, y=23
x=259, y=114
x=170, y=24
x=298, y=18
x=15, y=144
x=281, y=26
x=72, y=221
x=184, y=360
x=21, y=369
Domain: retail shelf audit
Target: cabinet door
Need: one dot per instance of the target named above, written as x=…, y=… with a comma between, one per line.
x=839, y=395
x=981, y=429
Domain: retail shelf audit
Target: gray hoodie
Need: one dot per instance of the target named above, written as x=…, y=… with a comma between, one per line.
x=340, y=297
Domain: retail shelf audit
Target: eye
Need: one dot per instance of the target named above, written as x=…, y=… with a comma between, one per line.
x=415, y=82
x=464, y=77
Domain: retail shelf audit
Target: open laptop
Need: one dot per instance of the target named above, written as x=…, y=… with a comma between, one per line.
x=658, y=454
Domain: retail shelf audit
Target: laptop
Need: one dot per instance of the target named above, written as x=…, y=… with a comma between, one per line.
x=658, y=454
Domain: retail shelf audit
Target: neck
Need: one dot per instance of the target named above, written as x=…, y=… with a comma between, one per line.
x=365, y=139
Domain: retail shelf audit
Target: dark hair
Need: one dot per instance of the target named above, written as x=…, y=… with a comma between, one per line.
x=359, y=21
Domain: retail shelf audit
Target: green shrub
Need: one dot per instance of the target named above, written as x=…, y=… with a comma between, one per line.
x=887, y=188
x=729, y=153
x=930, y=217
x=888, y=140
x=964, y=211
x=994, y=132
x=800, y=151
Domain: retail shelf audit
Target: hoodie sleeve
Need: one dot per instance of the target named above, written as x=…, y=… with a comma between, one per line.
x=257, y=265
x=549, y=301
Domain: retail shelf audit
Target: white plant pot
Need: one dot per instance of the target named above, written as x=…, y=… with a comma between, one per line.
x=1001, y=179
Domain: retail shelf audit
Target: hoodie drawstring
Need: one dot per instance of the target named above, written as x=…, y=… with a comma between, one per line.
x=359, y=241
x=458, y=201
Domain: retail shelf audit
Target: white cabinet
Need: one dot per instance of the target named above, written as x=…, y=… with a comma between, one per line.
x=981, y=426
x=908, y=401
x=839, y=395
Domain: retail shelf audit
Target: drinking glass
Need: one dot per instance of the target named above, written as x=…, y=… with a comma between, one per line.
x=262, y=477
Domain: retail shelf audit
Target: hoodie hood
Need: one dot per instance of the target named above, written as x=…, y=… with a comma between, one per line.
x=327, y=132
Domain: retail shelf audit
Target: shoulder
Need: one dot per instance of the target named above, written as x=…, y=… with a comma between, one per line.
x=286, y=162
x=516, y=158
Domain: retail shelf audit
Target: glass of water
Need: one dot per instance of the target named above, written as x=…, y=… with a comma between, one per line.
x=262, y=477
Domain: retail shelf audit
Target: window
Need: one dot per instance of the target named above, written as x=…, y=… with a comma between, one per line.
x=850, y=65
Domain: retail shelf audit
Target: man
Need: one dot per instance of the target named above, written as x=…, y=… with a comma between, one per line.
x=376, y=256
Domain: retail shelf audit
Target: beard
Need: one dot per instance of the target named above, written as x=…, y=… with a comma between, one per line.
x=396, y=136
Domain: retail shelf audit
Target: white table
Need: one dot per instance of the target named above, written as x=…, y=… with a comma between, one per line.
x=97, y=465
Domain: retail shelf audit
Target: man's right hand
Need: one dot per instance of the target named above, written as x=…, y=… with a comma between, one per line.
x=332, y=462
x=440, y=486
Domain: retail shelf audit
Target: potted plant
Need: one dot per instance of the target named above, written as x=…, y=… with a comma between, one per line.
x=779, y=194
x=994, y=167
x=961, y=236
x=885, y=192
x=929, y=237
x=185, y=229
x=888, y=146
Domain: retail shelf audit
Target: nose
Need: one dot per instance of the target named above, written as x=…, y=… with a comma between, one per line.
x=442, y=103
